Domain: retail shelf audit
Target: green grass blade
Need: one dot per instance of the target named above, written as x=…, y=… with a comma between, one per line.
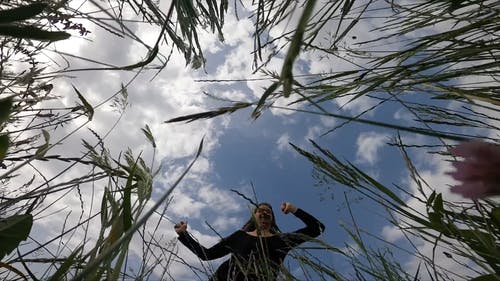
x=31, y=32
x=22, y=13
x=92, y=266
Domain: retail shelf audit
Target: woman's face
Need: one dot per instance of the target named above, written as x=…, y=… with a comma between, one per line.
x=264, y=216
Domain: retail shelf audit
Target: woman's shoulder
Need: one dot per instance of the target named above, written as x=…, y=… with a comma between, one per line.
x=237, y=234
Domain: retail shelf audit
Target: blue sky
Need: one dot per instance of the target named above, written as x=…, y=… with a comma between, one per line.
x=238, y=151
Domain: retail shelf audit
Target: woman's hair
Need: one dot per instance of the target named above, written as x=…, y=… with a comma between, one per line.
x=250, y=225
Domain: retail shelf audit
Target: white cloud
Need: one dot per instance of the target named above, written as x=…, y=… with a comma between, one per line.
x=361, y=105
x=403, y=115
x=283, y=142
x=313, y=132
x=369, y=144
x=220, y=200
x=186, y=206
x=201, y=166
x=236, y=32
x=224, y=223
x=391, y=233
x=328, y=122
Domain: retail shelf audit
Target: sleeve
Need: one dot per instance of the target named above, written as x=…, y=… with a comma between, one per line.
x=216, y=251
x=313, y=229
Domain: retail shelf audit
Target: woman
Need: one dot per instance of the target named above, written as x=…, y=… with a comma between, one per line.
x=258, y=250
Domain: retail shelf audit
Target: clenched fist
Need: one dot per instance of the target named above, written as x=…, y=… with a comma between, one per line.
x=181, y=227
x=287, y=207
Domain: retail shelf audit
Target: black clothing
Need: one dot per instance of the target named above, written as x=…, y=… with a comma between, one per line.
x=254, y=258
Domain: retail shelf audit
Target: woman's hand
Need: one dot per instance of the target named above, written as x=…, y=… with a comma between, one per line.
x=287, y=207
x=181, y=227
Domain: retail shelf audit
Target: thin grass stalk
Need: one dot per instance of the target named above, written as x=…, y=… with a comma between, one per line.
x=128, y=234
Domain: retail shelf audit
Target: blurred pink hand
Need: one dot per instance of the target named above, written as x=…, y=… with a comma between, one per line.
x=479, y=171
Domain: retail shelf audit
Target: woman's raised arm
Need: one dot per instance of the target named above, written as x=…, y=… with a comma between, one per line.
x=216, y=251
x=312, y=229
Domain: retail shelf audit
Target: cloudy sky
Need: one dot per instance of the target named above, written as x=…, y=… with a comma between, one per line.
x=239, y=153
